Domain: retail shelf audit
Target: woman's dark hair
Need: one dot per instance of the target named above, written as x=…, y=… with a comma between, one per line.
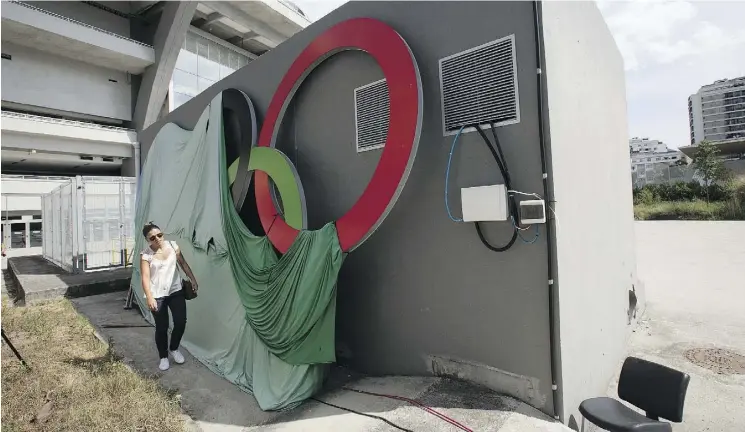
x=149, y=227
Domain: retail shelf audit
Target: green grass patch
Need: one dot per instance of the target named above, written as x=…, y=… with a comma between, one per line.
x=75, y=382
x=690, y=210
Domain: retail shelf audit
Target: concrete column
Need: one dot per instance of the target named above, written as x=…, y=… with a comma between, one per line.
x=131, y=167
x=167, y=42
x=27, y=235
x=6, y=235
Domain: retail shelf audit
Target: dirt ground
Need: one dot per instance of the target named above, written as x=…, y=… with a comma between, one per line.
x=74, y=382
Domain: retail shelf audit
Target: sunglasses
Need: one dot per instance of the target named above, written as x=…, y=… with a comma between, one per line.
x=152, y=238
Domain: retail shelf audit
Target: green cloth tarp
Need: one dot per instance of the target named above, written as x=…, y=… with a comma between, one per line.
x=264, y=322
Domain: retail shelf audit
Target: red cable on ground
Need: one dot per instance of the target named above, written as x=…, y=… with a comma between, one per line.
x=440, y=415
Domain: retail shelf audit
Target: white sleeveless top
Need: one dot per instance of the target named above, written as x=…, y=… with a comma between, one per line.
x=164, y=276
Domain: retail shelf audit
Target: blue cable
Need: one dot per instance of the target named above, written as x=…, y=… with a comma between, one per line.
x=447, y=203
x=447, y=177
x=535, y=238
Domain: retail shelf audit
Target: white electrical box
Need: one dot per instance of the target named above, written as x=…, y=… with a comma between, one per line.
x=484, y=203
x=532, y=212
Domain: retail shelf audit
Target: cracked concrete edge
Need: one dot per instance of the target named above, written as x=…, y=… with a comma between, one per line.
x=523, y=388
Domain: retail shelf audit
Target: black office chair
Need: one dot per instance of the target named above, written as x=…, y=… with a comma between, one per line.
x=658, y=390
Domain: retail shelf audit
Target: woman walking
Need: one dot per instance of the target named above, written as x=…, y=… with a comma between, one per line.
x=161, y=282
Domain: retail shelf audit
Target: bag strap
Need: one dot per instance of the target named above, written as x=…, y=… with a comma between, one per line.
x=177, y=263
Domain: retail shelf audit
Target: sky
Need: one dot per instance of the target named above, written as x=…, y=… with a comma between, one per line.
x=670, y=50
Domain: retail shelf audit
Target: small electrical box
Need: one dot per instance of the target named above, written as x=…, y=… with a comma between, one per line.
x=484, y=203
x=532, y=212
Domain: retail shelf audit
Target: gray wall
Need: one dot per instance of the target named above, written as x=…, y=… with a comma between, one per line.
x=737, y=167
x=421, y=285
x=64, y=84
x=594, y=211
x=90, y=15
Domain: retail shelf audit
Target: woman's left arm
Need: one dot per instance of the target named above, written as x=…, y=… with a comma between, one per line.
x=187, y=269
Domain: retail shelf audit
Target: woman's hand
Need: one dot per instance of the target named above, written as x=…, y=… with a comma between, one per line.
x=152, y=304
x=195, y=285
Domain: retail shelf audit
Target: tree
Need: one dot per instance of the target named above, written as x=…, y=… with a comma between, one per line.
x=708, y=166
x=644, y=196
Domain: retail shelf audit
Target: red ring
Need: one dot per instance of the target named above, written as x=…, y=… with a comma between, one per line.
x=397, y=62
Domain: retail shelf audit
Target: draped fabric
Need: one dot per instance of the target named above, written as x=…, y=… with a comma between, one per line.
x=264, y=322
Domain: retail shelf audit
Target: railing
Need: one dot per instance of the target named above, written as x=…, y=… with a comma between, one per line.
x=18, y=115
x=293, y=7
x=32, y=177
x=26, y=5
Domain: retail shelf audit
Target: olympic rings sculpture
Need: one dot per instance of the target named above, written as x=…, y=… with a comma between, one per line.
x=401, y=72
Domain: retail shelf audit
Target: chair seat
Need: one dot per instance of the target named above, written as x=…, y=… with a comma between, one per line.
x=614, y=416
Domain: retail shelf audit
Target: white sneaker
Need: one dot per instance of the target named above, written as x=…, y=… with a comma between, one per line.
x=177, y=357
x=164, y=364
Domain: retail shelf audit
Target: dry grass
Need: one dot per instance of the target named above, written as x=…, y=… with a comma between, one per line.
x=680, y=210
x=91, y=390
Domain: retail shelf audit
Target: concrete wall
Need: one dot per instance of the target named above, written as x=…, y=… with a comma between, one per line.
x=594, y=216
x=67, y=145
x=736, y=167
x=24, y=204
x=24, y=194
x=64, y=84
x=84, y=13
x=422, y=285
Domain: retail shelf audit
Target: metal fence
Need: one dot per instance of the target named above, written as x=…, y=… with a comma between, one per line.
x=661, y=173
x=89, y=223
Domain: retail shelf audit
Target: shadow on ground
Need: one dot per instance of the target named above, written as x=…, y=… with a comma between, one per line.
x=217, y=405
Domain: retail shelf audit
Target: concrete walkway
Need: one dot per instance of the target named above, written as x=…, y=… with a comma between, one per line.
x=38, y=279
x=694, y=273
x=475, y=408
x=216, y=405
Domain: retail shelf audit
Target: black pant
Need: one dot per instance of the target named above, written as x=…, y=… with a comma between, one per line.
x=177, y=303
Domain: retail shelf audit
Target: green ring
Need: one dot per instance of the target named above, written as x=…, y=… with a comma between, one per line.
x=284, y=175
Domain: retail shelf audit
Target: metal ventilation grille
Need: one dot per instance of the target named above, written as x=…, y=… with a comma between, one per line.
x=479, y=86
x=371, y=114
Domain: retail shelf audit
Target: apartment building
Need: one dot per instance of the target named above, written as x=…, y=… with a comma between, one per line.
x=652, y=161
x=80, y=79
x=717, y=114
x=717, y=111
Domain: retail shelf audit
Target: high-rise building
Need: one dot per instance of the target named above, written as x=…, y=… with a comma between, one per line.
x=717, y=111
x=80, y=79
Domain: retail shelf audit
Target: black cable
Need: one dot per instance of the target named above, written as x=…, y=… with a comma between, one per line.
x=501, y=153
x=496, y=156
x=12, y=348
x=417, y=404
x=272, y=224
x=388, y=422
x=555, y=353
x=512, y=206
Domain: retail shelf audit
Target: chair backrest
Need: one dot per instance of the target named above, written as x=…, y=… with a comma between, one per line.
x=657, y=389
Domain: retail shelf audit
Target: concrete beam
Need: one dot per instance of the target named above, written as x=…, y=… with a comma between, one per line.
x=244, y=19
x=237, y=40
x=44, y=145
x=213, y=17
x=169, y=38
